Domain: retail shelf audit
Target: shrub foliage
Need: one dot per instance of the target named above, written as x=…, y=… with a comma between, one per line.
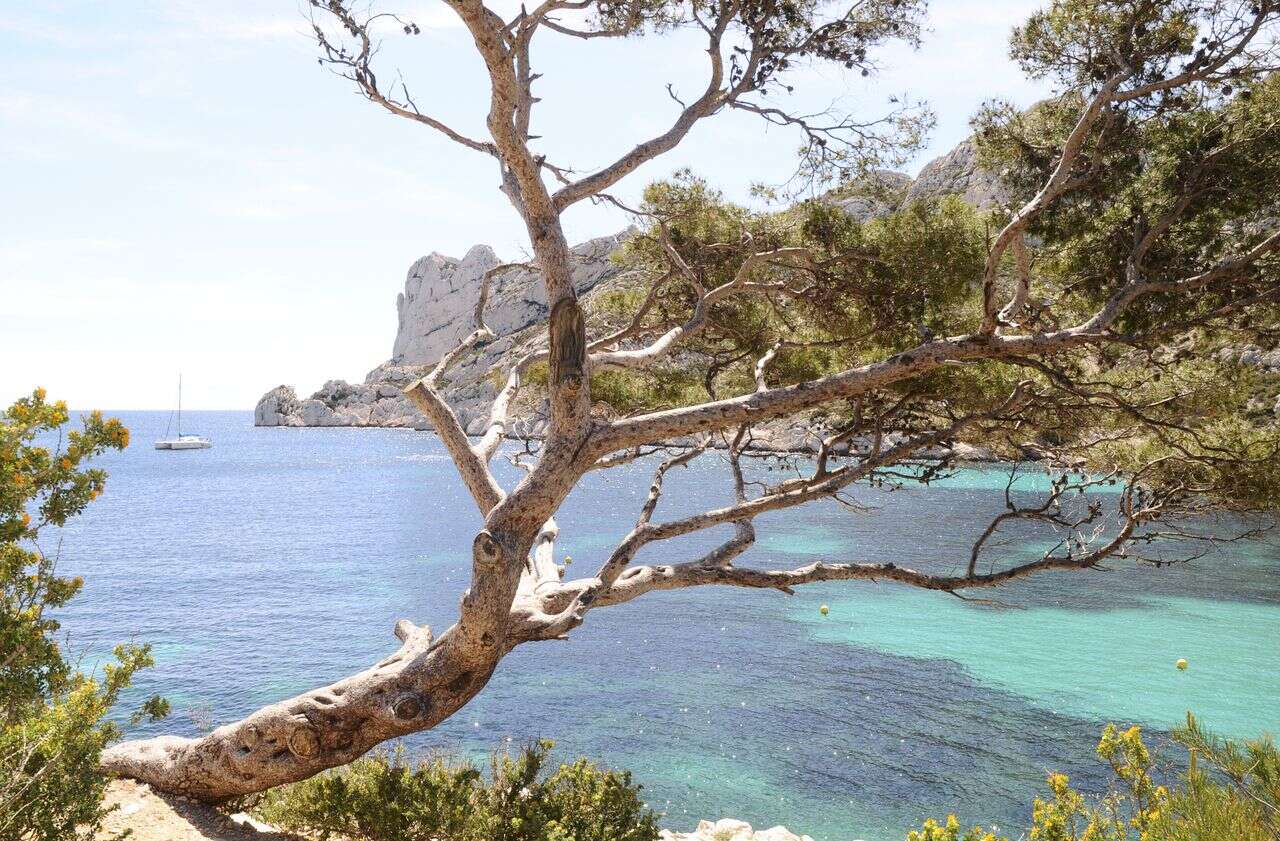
x=1230, y=790
x=387, y=797
x=52, y=715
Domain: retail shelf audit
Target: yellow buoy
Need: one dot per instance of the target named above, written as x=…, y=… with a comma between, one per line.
x=1181, y=664
x=824, y=610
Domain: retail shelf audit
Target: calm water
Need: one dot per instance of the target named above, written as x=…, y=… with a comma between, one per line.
x=280, y=559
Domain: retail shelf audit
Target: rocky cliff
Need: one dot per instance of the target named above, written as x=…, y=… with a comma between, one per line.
x=435, y=311
x=438, y=303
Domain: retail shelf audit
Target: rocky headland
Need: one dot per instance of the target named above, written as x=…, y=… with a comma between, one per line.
x=435, y=311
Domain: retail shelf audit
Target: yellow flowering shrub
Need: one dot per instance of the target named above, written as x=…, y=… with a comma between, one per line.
x=950, y=831
x=1238, y=800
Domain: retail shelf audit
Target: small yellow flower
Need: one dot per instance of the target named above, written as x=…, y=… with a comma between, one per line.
x=26, y=519
x=65, y=464
x=40, y=393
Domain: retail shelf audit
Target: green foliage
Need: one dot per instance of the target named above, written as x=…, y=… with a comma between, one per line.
x=52, y=727
x=53, y=485
x=895, y=276
x=950, y=830
x=1206, y=159
x=1088, y=40
x=878, y=288
x=385, y=797
x=1237, y=797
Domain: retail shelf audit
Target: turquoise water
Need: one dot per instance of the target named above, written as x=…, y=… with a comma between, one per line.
x=280, y=559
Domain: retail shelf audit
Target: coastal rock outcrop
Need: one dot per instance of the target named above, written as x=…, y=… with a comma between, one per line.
x=876, y=195
x=434, y=312
x=278, y=407
x=438, y=303
x=958, y=173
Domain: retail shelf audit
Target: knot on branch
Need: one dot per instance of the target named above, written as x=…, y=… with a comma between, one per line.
x=568, y=344
x=407, y=707
x=486, y=551
x=303, y=742
x=404, y=629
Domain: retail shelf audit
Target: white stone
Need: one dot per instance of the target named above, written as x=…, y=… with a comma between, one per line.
x=971, y=452
x=730, y=829
x=316, y=412
x=276, y=406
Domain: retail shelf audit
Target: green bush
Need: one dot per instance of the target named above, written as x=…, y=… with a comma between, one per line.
x=52, y=716
x=1229, y=791
x=386, y=797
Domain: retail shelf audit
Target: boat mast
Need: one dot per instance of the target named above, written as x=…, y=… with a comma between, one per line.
x=179, y=404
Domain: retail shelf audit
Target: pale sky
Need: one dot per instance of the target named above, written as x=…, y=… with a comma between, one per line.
x=183, y=188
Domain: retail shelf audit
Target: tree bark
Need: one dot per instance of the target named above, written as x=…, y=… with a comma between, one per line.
x=417, y=687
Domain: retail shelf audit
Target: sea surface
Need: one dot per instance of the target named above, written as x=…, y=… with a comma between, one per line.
x=280, y=559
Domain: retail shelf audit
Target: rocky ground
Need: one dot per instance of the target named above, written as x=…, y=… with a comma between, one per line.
x=150, y=816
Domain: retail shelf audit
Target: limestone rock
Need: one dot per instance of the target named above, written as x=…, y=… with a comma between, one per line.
x=879, y=194
x=315, y=412
x=957, y=173
x=973, y=452
x=728, y=829
x=276, y=407
x=437, y=306
x=1251, y=356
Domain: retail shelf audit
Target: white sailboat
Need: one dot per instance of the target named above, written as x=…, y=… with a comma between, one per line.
x=182, y=442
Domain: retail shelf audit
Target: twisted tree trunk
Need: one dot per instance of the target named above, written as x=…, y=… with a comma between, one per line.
x=516, y=594
x=417, y=687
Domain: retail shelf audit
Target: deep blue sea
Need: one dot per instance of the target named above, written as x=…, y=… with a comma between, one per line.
x=280, y=559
